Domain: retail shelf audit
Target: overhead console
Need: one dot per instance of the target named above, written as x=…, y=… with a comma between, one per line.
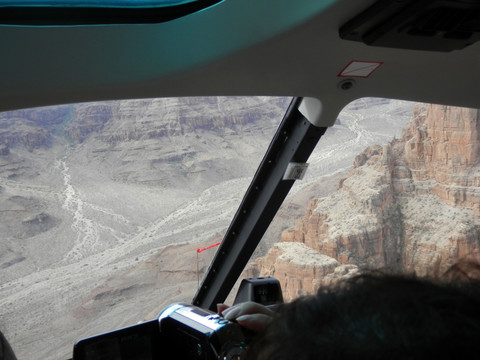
x=432, y=25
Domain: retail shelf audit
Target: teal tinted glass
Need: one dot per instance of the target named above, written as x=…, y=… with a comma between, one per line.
x=96, y=12
x=96, y=3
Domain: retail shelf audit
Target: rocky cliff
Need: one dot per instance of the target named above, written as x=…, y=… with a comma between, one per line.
x=177, y=142
x=409, y=205
x=131, y=119
x=155, y=118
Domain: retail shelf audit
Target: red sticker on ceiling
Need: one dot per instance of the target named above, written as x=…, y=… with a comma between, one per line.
x=362, y=69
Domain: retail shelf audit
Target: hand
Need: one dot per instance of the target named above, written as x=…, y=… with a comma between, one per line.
x=250, y=315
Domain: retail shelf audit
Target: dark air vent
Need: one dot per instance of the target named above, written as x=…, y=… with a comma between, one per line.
x=435, y=25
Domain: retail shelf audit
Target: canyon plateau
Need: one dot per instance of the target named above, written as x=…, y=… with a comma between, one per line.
x=411, y=205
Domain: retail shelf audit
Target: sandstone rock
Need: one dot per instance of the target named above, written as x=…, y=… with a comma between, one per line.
x=85, y=119
x=35, y=139
x=298, y=268
x=411, y=205
x=30, y=137
x=156, y=118
x=4, y=150
x=132, y=119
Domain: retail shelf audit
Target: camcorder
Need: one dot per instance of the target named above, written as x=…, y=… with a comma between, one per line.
x=182, y=331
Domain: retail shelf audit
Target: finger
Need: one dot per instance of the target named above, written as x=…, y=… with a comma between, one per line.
x=231, y=313
x=221, y=308
x=244, y=309
x=256, y=322
x=251, y=307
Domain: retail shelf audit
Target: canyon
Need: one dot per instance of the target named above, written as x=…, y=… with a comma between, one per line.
x=103, y=205
x=410, y=205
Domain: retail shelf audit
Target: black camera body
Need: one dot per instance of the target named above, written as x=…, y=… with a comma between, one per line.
x=195, y=333
x=181, y=331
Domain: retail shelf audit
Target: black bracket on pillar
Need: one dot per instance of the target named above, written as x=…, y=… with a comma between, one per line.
x=293, y=142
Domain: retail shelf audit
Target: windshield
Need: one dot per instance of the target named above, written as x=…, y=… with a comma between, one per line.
x=111, y=211
x=94, y=3
x=104, y=205
x=98, y=12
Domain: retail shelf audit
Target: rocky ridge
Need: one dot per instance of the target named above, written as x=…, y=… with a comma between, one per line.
x=410, y=205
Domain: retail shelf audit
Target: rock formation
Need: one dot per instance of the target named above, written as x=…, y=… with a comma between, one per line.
x=132, y=119
x=411, y=205
x=30, y=128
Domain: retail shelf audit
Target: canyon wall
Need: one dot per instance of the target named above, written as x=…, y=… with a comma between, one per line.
x=410, y=205
x=132, y=119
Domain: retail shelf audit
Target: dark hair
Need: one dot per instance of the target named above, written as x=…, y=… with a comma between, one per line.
x=6, y=352
x=377, y=316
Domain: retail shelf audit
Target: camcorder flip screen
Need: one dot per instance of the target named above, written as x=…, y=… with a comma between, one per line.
x=138, y=342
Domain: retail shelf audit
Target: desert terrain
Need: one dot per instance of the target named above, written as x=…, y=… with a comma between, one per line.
x=102, y=206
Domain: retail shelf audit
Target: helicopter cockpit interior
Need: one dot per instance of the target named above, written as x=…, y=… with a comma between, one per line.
x=305, y=62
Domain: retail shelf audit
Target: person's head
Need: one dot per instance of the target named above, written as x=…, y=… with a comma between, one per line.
x=6, y=352
x=377, y=316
